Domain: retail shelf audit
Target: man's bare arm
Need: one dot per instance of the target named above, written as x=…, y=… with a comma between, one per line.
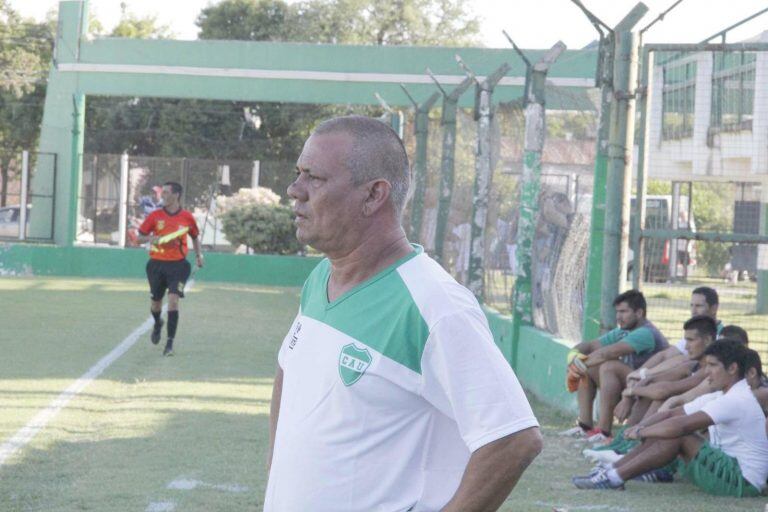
x=588, y=347
x=608, y=353
x=703, y=388
x=493, y=470
x=198, y=251
x=664, y=390
x=677, y=425
x=274, y=412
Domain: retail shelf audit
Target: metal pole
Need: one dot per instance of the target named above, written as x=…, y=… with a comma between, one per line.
x=618, y=188
x=483, y=175
x=420, y=162
x=675, y=225
x=594, y=280
x=255, y=173
x=123, y=200
x=24, y=192
x=76, y=169
x=762, y=254
x=643, y=146
x=530, y=186
x=447, y=161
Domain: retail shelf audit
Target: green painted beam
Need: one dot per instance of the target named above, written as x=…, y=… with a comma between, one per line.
x=242, y=71
x=705, y=236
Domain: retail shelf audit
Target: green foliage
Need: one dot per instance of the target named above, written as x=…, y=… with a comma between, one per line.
x=256, y=219
x=133, y=26
x=25, y=53
x=217, y=130
x=713, y=210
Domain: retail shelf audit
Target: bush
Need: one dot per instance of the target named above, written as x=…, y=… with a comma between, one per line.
x=255, y=218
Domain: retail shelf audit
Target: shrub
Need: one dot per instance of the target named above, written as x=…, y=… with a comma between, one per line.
x=255, y=218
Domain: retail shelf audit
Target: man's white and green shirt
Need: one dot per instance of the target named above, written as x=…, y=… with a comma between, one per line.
x=386, y=393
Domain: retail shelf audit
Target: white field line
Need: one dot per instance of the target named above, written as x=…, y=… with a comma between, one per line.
x=187, y=484
x=21, y=438
x=161, y=506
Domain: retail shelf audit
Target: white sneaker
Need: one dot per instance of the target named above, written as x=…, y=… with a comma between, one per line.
x=598, y=437
x=602, y=456
x=576, y=432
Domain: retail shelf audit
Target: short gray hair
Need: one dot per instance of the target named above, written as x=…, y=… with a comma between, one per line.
x=377, y=153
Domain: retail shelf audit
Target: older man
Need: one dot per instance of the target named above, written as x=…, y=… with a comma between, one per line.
x=390, y=392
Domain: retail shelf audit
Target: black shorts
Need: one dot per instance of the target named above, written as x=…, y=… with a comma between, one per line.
x=167, y=275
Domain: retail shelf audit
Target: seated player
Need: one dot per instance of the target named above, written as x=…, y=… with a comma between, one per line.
x=733, y=462
x=732, y=332
x=665, y=364
x=604, y=363
x=699, y=333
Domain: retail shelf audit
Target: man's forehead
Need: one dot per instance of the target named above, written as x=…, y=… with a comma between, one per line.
x=325, y=148
x=698, y=299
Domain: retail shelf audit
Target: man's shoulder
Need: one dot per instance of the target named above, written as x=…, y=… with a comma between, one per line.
x=649, y=329
x=434, y=292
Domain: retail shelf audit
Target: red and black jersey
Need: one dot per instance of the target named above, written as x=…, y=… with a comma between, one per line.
x=161, y=223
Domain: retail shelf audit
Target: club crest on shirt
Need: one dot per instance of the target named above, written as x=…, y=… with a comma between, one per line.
x=160, y=225
x=353, y=362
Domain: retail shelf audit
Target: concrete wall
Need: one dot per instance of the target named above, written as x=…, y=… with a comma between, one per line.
x=49, y=260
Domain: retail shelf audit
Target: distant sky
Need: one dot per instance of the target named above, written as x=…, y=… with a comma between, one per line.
x=531, y=23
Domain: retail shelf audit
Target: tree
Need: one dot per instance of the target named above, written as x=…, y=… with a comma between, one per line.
x=25, y=51
x=218, y=130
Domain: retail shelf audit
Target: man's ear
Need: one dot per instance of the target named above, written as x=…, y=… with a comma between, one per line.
x=378, y=196
x=733, y=369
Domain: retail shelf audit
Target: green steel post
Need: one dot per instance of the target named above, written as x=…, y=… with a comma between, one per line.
x=448, y=124
x=643, y=144
x=535, y=133
x=616, y=233
x=594, y=282
x=78, y=143
x=63, y=121
x=420, y=162
x=762, y=254
x=483, y=175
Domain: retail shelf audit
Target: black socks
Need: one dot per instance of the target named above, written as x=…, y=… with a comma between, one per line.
x=173, y=322
x=156, y=316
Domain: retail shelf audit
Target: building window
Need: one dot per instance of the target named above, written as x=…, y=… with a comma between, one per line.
x=733, y=91
x=678, y=95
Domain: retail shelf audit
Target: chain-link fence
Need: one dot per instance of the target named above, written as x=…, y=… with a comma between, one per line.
x=202, y=182
x=20, y=191
x=707, y=172
x=564, y=209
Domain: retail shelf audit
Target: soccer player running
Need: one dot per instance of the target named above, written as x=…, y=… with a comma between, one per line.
x=390, y=392
x=166, y=230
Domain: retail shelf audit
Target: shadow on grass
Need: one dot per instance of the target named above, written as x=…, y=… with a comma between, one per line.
x=129, y=473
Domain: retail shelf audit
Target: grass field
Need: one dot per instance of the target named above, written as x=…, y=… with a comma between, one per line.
x=188, y=433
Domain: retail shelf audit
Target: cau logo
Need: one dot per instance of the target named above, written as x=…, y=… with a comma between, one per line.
x=352, y=363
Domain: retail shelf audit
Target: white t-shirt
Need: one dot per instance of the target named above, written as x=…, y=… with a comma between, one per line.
x=386, y=393
x=739, y=429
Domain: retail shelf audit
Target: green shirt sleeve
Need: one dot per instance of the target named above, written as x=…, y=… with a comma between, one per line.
x=611, y=337
x=641, y=340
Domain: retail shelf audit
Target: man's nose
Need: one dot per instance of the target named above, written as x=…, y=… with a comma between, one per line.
x=295, y=190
